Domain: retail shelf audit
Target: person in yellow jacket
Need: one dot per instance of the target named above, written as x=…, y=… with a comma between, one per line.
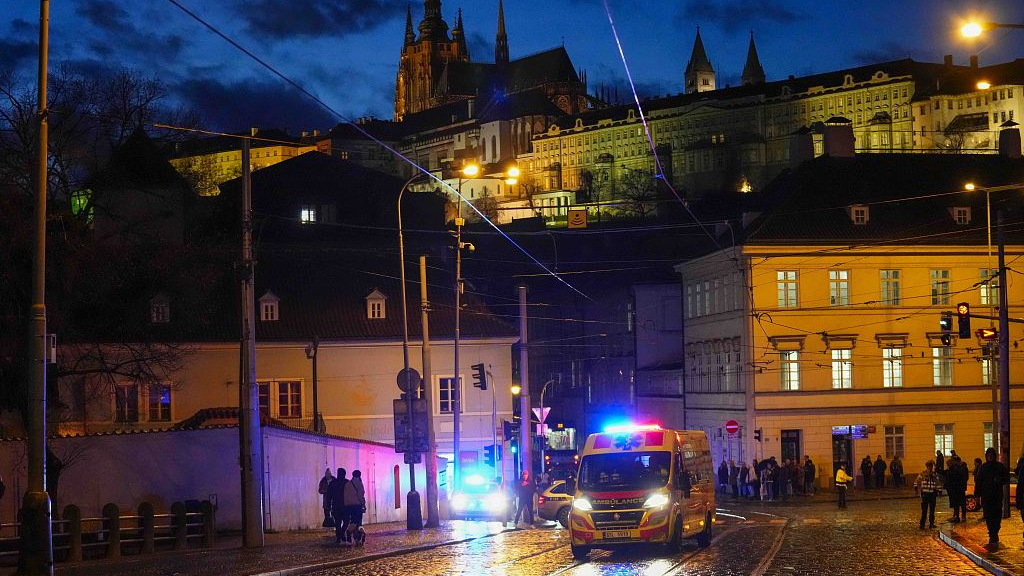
x=842, y=484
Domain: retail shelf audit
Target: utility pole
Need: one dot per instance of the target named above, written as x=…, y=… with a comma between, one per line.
x=494, y=426
x=525, y=443
x=36, y=531
x=249, y=434
x=1004, y=365
x=312, y=351
x=433, y=514
x=457, y=385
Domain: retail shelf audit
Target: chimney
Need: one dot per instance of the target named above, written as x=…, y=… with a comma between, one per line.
x=471, y=108
x=801, y=146
x=303, y=134
x=254, y=131
x=974, y=62
x=839, y=140
x=1009, y=141
x=947, y=60
x=316, y=133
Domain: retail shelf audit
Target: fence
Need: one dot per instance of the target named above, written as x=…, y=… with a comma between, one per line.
x=113, y=534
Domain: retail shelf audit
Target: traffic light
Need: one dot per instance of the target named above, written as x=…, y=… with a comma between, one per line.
x=489, y=455
x=509, y=429
x=517, y=406
x=575, y=459
x=946, y=326
x=547, y=461
x=963, y=316
x=479, y=376
x=988, y=333
x=757, y=435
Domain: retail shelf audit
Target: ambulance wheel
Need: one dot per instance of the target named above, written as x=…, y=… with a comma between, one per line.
x=579, y=552
x=675, y=538
x=704, y=538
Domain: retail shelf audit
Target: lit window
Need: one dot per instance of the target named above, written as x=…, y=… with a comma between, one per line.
x=940, y=286
x=842, y=369
x=944, y=438
x=942, y=366
x=787, y=288
x=446, y=395
x=789, y=364
x=307, y=214
x=159, y=403
x=987, y=373
x=159, y=312
x=895, y=444
x=81, y=204
x=988, y=438
x=375, y=309
x=892, y=367
x=126, y=403
x=962, y=215
x=890, y=287
x=289, y=399
x=839, y=287
x=988, y=288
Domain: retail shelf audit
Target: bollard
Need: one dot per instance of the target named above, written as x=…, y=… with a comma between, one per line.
x=112, y=524
x=148, y=525
x=36, y=555
x=73, y=526
x=180, y=522
x=209, y=523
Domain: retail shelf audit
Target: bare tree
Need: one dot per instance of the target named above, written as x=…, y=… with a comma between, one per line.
x=638, y=191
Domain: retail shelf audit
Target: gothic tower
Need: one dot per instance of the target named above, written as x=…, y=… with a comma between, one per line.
x=700, y=75
x=753, y=73
x=423, y=59
x=501, y=40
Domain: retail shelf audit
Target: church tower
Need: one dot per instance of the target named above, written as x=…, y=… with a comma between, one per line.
x=700, y=75
x=753, y=73
x=501, y=40
x=423, y=59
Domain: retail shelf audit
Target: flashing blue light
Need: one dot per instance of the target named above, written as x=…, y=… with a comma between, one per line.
x=475, y=480
x=620, y=428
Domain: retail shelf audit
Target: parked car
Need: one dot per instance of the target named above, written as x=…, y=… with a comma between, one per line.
x=554, y=503
x=481, y=499
x=974, y=503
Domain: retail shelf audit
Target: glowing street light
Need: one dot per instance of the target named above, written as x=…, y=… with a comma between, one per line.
x=984, y=85
x=969, y=186
x=971, y=30
x=471, y=170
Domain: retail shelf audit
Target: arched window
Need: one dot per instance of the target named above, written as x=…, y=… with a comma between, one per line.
x=398, y=488
x=494, y=147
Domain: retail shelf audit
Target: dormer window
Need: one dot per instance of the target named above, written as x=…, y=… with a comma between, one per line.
x=160, y=309
x=962, y=215
x=307, y=215
x=375, y=309
x=859, y=214
x=269, y=309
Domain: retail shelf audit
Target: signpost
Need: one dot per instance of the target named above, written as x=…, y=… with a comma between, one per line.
x=417, y=443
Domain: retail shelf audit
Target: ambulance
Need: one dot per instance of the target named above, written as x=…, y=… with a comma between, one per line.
x=642, y=484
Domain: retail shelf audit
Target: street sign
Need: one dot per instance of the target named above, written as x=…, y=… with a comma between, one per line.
x=413, y=458
x=732, y=427
x=419, y=428
x=413, y=380
x=577, y=218
x=541, y=413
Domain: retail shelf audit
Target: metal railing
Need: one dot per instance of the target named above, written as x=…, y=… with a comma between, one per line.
x=112, y=534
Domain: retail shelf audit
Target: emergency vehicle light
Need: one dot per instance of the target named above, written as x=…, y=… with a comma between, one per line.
x=616, y=429
x=474, y=480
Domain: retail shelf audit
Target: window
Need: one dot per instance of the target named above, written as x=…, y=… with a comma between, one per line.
x=940, y=286
x=159, y=312
x=842, y=369
x=839, y=287
x=987, y=374
x=988, y=438
x=268, y=307
x=789, y=364
x=890, y=287
x=962, y=215
x=289, y=399
x=377, y=309
x=892, y=367
x=894, y=442
x=942, y=366
x=126, y=403
x=787, y=288
x=264, y=398
x=446, y=395
x=988, y=288
x=307, y=214
x=944, y=438
x=159, y=403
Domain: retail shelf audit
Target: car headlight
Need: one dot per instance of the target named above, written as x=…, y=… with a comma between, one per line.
x=582, y=504
x=656, y=500
x=494, y=503
x=459, y=501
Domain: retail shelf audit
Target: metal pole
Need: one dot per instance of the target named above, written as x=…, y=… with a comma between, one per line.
x=316, y=392
x=1004, y=367
x=414, y=514
x=992, y=382
x=526, y=445
x=36, y=535
x=494, y=426
x=543, y=440
x=250, y=440
x=433, y=514
x=457, y=381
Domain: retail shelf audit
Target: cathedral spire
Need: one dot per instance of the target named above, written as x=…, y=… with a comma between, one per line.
x=753, y=73
x=700, y=75
x=459, y=35
x=501, y=40
x=410, y=34
x=433, y=26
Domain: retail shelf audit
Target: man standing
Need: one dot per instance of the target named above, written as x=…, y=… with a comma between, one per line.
x=723, y=476
x=956, y=485
x=896, y=469
x=865, y=471
x=809, y=472
x=880, y=472
x=842, y=484
x=991, y=477
x=354, y=499
x=744, y=479
x=325, y=483
x=525, y=490
x=336, y=497
x=928, y=486
x=734, y=478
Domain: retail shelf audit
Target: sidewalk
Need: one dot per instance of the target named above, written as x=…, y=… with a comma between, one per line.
x=828, y=495
x=969, y=537
x=283, y=554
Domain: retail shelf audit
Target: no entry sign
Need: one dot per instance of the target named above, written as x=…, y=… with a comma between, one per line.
x=732, y=427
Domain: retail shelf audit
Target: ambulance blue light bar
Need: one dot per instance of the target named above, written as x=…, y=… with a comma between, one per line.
x=620, y=428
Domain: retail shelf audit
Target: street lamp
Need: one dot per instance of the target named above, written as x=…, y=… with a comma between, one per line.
x=975, y=29
x=469, y=170
x=312, y=350
x=983, y=85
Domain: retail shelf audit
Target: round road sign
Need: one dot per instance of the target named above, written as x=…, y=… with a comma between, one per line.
x=732, y=426
x=410, y=382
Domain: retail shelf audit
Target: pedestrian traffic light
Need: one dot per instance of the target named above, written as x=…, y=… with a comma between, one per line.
x=489, y=455
x=963, y=316
x=946, y=326
x=479, y=376
x=757, y=435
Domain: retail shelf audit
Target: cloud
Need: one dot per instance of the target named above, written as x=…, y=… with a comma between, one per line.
x=481, y=49
x=886, y=52
x=282, y=19
x=14, y=52
x=105, y=15
x=116, y=33
x=733, y=15
x=240, y=105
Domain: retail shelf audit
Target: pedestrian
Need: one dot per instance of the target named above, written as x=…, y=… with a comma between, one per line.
x=734, y=479
x=769, y=477
x=842, y=484
x=880, y=472
x=544, y=480
x=1019, y=471
x=865, y=471
x=354, y=500
x=723, y=477
x=928, y=486
x=940, y=465
x=336, y=497
x=896, y=469
x=991, y=477
x=782, y=479
x=325, y=482
x=755, y=480
x=525, y=490
x=809, y=472
x=744, y=479
x=796, y=476
x=956, y=486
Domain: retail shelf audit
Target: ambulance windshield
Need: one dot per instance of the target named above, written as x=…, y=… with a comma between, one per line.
x=624, y=471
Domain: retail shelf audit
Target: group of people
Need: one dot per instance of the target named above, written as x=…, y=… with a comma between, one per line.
x=344, y=505
x=767, y=479
x=874, y=472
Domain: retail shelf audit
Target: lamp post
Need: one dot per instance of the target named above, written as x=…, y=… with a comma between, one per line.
x=470, y=170
x=975, y=29
x=970, y=187
x=312, y=350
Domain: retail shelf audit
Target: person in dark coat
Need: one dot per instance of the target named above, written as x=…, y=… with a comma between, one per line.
x=744, y=479
x=782, y=479
x=880, y=472
x=809, y=473
x=896, y=469
x=940, y=465
x=723, y=477
x=734, y=478
x=956, y=486
x=865, y=471
x=1019, y=471
x=991, y=477
x=325, y=483
x=336, y=497
x=525, y=489
x=755, y=479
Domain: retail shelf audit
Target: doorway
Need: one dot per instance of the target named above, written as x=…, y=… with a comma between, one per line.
x=790, y=445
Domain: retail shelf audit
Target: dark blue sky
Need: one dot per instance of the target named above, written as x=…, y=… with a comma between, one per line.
x=346, y=51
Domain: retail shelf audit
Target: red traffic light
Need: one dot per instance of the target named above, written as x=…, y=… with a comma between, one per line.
x=988, y=333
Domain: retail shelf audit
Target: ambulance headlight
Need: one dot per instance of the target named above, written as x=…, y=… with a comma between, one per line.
x=494, y=503
x=582, y=504
x=459, y=502
x=656, y=500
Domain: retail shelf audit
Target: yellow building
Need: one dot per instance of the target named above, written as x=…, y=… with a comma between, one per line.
x=819, y=331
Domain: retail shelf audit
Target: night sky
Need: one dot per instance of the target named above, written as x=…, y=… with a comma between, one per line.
x=346, y=51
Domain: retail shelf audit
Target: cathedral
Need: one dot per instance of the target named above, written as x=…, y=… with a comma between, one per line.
x=435, y=68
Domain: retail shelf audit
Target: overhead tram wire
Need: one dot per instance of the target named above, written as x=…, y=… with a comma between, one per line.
x=365, y=133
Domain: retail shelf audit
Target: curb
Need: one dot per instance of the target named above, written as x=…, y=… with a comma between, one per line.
x=305, y=569
x=973, y=556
